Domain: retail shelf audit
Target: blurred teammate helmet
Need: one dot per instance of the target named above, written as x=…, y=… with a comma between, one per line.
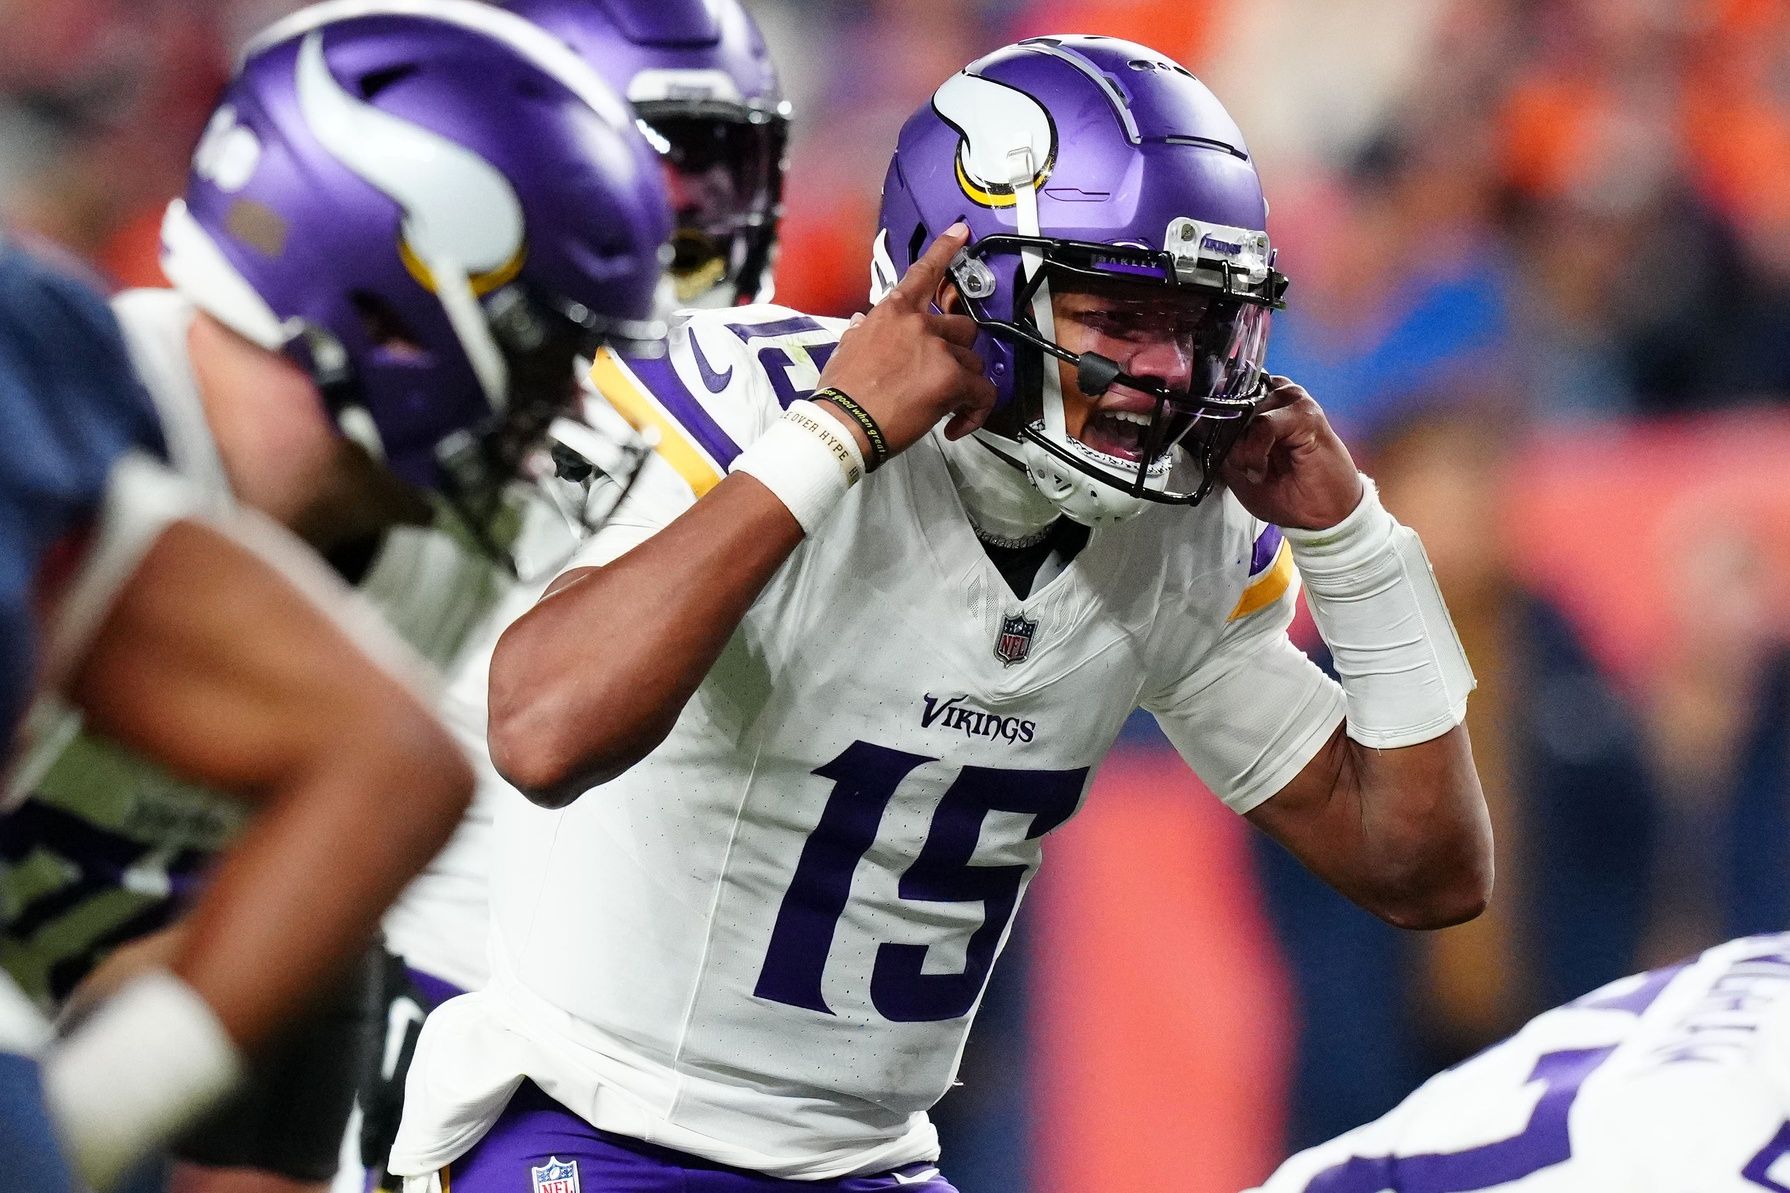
x=435, y=208
x=706, y=93
x=1082, y=160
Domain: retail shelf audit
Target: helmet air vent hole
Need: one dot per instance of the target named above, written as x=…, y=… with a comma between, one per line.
x=916, y=242
x=372, y=84
x=385, y=327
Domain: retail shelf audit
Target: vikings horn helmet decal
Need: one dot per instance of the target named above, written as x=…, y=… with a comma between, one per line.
x=457, y=206
x=994, y=119
x=1094, y=163
x=434, y=208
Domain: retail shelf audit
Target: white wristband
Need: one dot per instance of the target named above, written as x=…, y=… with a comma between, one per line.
x=808, y=459
x=1374, y=598
x=144, y=1066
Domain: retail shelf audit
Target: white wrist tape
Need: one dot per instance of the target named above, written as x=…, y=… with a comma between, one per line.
x=808, y=459
x=145, y=1065
x=1374, y=598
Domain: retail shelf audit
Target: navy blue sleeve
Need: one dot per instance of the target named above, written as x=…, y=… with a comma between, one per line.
x=71, y=407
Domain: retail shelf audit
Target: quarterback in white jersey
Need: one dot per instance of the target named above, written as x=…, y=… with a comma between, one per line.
x=796, y=721
x=1667, y=1082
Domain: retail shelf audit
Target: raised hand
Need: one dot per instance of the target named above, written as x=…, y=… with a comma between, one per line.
x=1289, y=467
x=910, y=366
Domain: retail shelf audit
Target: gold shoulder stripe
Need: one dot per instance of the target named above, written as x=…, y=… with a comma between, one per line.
x=1268, y=587
x=635, y=402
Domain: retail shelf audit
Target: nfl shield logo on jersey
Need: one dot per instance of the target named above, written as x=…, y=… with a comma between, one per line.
x=556, y=1176
x=1014, y=642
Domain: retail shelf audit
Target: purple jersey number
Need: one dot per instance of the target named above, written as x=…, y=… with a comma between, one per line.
x=1545, y=1139
x=864, y=779
x=1542, y=1142
x=1758, y=1169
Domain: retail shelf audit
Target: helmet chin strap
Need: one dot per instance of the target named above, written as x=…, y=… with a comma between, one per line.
x=1022, y=173
x=454, y=289
x=1082, y=498
x=994, y=487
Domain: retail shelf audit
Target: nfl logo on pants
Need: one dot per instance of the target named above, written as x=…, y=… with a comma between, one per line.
x=556, y=1176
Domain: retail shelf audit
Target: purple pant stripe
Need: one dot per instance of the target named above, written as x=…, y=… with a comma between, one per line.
x=538, y=1146
x=434, y=990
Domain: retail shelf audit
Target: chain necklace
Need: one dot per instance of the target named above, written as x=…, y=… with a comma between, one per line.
x=1011, y=544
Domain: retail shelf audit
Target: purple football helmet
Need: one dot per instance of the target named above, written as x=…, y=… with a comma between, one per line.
x=706, y=92
x=1086, y=160
x=436, y=209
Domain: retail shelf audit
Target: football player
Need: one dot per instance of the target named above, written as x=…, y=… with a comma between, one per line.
x=1664, y=1082
x=700, y=79
x=403, y=227
x=795, y=722
x=199, y=644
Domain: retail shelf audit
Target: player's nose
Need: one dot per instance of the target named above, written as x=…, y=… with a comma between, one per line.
x=1163, y=359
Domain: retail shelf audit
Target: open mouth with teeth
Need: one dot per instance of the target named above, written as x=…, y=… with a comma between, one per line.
x=1119, y=433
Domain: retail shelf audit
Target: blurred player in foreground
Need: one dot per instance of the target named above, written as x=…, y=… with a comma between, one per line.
x=698, y=76
x=838, y=664
x=403, y=229
x=1667, y=1082
x=202, y=647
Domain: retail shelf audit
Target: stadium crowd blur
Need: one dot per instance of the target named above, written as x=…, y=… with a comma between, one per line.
x=1541, y=264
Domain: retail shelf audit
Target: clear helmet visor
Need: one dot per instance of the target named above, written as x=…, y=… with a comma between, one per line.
x=723, y=170
x=1153, y=375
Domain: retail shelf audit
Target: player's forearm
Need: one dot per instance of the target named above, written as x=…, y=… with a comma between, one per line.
x=299, y=897
x=1421, y=854
x=1402, y=833
x=592, y=678
x=1425, y=856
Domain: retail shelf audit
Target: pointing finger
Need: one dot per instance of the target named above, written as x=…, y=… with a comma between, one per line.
x=955, y=329
x=921, y=281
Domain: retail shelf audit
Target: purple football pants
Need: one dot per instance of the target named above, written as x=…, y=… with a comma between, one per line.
x=530, y=1147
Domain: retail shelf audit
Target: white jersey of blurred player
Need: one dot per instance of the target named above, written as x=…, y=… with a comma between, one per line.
x=443, y=597
x=1675, y=1081
x=764, y=943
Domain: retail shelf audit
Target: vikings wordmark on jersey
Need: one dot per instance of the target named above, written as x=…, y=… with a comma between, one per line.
x=804, y=888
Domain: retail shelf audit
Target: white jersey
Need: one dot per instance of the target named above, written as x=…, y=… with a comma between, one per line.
x=99, y=800
x=1676, y=1081
x=765, y=942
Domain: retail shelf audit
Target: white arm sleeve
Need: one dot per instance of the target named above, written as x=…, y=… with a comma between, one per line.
x=1254, y=710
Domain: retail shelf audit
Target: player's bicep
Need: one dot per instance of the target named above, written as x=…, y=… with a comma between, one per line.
x=1255, y=711
x=223, y=667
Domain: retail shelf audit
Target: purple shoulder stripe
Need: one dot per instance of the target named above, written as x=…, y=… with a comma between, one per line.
x=1267, y=546
x=794, y=325
x=662, y=380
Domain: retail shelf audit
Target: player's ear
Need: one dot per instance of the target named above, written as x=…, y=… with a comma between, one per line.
x=947, y=299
